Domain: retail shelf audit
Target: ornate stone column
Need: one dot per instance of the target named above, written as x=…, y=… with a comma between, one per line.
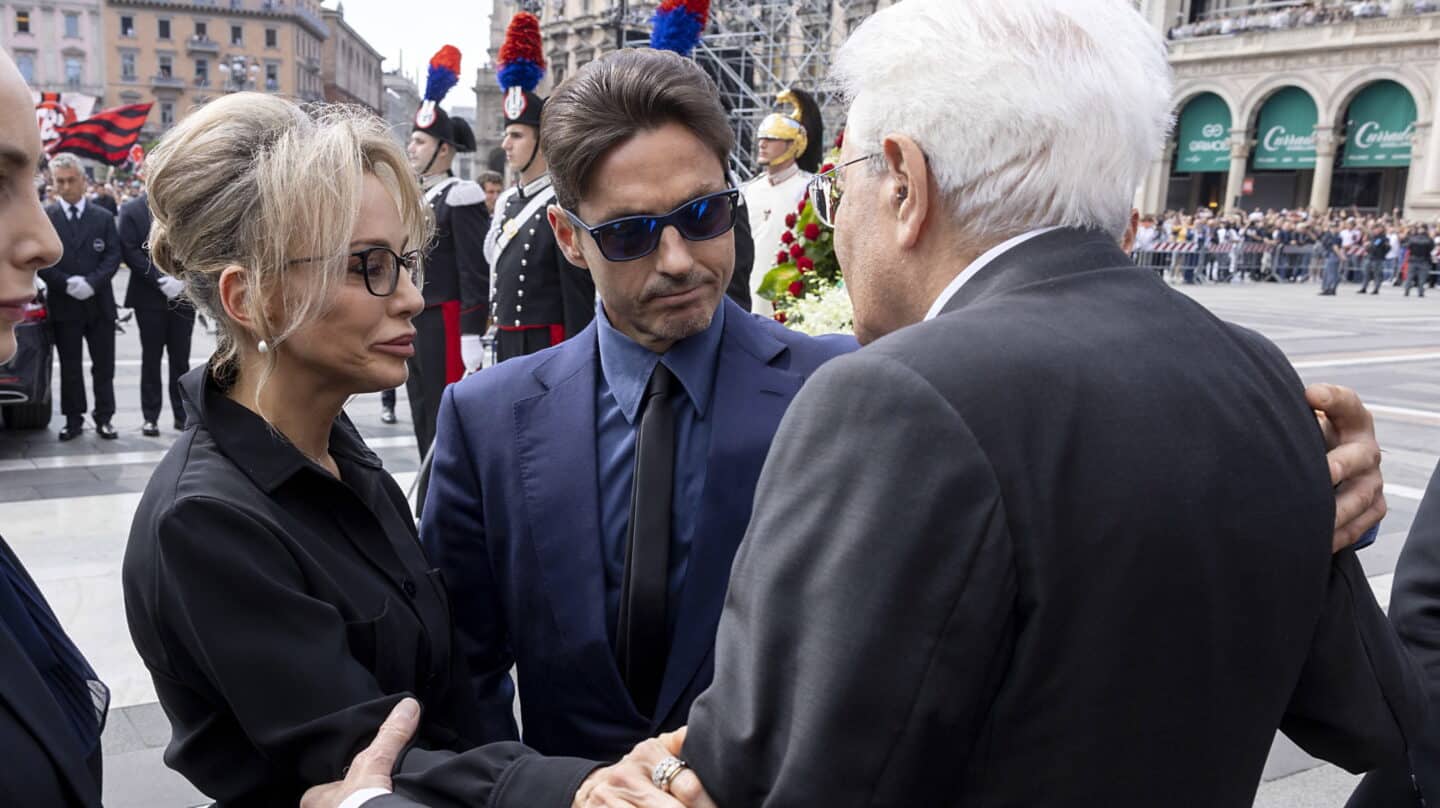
x=1326, y=143
x=1240, y=146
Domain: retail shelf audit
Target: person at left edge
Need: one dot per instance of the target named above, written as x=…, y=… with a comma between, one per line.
x=52, y=707
x=457, y=278
x=166, y=319
x=80, y=300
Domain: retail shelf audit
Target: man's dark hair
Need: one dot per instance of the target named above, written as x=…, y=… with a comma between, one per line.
x=490, y=177
x=618, y=96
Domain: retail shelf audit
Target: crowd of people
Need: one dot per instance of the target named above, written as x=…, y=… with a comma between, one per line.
x=1274, y=17
x=937, y=562
x=1290, y=247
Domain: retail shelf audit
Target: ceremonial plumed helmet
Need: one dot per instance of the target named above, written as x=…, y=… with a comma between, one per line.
x=802, y=127
x=430, y=118
x=521, y=67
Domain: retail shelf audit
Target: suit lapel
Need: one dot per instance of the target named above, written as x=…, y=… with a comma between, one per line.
x=554, y=434
x=22, y=688
x=750, y=398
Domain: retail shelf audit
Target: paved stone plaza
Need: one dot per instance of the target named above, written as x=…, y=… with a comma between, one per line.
x=66, y=508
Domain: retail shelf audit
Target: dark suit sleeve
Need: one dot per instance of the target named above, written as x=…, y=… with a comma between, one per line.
x=871, y=607
x=577, y=295
x=1359, y=702
x=739, y=290
x=132, y=247
x=109, y=259
x=452, y=529
x=1415, y=613
x=292, y=684
x=468, y=225
x=54, y=276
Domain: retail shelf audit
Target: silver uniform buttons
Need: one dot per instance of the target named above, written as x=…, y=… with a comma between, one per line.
x=527, y=248
x=524, y=262
x=532, y=231
x=520, y=293
x=519, y=307
x=517, y=322
x=522, y=278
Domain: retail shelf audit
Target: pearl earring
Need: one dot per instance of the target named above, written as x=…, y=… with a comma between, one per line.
x=263, y=347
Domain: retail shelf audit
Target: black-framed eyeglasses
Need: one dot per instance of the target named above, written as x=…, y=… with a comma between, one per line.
x=631, y=238
x=826, y=188
x=380, y=267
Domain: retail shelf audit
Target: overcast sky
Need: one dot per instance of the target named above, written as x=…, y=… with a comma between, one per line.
x=429, y=25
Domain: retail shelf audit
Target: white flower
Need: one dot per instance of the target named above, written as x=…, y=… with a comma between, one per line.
x=828, y=312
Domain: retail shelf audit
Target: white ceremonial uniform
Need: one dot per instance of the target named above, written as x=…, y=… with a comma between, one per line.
x=769, y=199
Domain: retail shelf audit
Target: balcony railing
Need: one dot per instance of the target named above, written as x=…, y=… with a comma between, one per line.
x=167, y=82
x=202, y=45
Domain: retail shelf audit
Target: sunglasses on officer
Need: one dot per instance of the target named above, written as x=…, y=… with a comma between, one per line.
x=631, y=238
x=380, y=267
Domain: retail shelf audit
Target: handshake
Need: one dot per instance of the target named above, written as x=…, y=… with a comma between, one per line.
x=651, y=776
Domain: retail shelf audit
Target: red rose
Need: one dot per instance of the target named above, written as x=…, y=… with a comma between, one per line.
x=782, y=258
x=797, y=288
x=780, y=317
x=790, y=220
x=812, y=231
x=805, y=264
x=801, y=208
x=787, y=237
x=796, y=251
x=827, y=168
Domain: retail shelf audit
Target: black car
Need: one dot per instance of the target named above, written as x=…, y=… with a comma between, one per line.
x=25, y=379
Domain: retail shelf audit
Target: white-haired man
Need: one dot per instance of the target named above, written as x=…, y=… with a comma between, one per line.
x=969, y=578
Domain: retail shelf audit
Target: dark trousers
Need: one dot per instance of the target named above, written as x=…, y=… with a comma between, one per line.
x=510, y=344
x=1330, y=281
x=387, y=399
x=427, y=379
x=1374, y=270
x=98, y=333
x=163, y=332
x=1419, y=276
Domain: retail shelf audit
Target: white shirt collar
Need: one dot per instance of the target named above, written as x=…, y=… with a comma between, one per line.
x=784, y=176
x=979, y=264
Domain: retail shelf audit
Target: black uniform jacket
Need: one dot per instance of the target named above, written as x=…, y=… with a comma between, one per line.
x=283, y=612
x=43, y=763
x=455, y=267
x=92, y=251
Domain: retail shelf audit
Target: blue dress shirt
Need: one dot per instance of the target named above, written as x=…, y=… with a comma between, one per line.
x=625, y=368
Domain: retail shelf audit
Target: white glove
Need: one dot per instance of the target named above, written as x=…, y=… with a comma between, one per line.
x=172, y=287
x=79, y=288
x=472, y=353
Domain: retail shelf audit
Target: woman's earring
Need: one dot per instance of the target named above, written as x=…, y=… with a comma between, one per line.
x=263, y=347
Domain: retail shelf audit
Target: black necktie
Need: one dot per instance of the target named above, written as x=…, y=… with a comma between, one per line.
x=74, y=214
x=641, y=642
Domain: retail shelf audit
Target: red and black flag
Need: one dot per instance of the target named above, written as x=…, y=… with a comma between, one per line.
x=107, y=136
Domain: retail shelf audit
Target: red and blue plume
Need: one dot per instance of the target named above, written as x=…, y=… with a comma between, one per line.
x=522, y=62
x=679, y=24
x=444, y=73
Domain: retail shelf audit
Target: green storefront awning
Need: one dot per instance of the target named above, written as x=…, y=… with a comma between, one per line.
x=1204, y=139
x=1286, y=133
x=1378, y=127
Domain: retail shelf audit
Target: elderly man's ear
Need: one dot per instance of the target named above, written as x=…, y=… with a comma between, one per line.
x=1127, y=242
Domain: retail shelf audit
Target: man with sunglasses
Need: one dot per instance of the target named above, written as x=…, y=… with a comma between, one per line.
x=586, y=501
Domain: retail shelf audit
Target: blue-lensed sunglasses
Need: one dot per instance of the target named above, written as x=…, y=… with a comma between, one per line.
x=633, y=237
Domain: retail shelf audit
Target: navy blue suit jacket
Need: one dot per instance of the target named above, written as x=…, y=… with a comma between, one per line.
x=513, y=520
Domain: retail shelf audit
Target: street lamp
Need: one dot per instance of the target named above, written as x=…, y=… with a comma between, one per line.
x=242, y=72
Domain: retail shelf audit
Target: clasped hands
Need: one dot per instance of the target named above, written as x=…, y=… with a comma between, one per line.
x=623, y=785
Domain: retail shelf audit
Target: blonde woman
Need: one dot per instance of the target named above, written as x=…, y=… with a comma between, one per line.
x=273, y=582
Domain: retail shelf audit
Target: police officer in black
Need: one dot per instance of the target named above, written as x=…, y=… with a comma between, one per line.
x=457, y=278
x=80, y=301
x=538, y=298
x=166, y=320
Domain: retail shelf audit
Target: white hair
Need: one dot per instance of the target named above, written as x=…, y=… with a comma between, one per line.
x=1031, y=113
x=65, y=160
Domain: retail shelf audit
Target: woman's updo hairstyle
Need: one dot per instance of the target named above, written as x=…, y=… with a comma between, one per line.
x=255, y=181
